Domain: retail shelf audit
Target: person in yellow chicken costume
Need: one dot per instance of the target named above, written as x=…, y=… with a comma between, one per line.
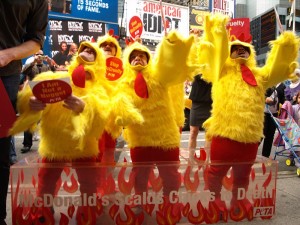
x=151, y=130
x=69, y=129
x=111, y=48
x=235, y=127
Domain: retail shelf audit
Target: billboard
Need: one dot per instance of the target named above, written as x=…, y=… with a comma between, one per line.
x=78, y=20
x=72, y=31
x=197, y=17
x=223, y=6
x=99, y=10
x=150, y=15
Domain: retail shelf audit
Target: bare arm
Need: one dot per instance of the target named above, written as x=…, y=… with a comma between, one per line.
x=19, y=52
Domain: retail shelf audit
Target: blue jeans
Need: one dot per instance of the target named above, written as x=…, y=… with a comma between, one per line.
x=11, y=84
x=12, y=148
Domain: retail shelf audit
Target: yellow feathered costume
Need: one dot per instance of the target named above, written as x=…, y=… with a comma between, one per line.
x=64, y=134
x=238, y=91
x=145, y=106
x=238, y=107
x=153, y=124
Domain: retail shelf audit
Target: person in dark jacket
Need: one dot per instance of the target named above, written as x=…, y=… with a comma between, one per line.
x=274, y=97
x=201, y=107
x=22, y=32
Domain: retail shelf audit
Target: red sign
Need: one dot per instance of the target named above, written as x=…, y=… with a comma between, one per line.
x=7, y=112
x=114, y=68
x=135, y=27
x=240, y=29
x=51, y=91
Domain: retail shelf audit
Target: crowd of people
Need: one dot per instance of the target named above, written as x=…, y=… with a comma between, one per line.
x=143, y=105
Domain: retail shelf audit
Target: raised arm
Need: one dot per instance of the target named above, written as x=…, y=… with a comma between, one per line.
x=172, y=64
x=282, y=59
x=214, y=48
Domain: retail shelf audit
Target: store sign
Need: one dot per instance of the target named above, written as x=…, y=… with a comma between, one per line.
x=150, y=13
x=223, y=6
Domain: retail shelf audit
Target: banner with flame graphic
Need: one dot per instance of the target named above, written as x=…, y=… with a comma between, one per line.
x=116, y=202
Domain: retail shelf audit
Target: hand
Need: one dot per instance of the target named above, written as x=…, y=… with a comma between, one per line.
x=74, y=103
x=36, y=105
x=269, y=101
x=5, y=58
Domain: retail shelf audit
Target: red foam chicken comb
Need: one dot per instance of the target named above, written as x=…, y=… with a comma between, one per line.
x=130, y=40
x=111, y=32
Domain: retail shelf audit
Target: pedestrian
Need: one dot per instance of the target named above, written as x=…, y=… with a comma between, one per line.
x=22, y=32
x=201, y=107
x=13, y=154
x=235, y=127
x=60, y=58
x=293, y=87
x=30, y=71
x=274, y=97
x=72, y=51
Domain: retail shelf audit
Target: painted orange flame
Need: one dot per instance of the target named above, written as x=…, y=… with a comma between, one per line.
x=186, y=210
x=197, y=219
x=189, y=185
x=67, y=170
x=156, y=182
x=148, y=208
x=18, y=219
x=131, y=218
x=16, y=194
x=110, y=186
x=263, y=168
x=73, y=187
x=241, y=209
x=33, y=181
x=71, y=210
x=125, y=187
x=268, y=180
x=212, y=213
x=202, y=156
x=85, y=216
x=113, y=211
x=64, y=220
x=44, y=216
x=99, y=206
x=169, y=213
x=228, y=181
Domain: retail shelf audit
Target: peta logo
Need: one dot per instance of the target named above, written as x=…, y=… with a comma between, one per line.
x=65, y=37
x=75, y=26
x=55, y=25
x=85, y=38
x=263, y=211
x=95, y=27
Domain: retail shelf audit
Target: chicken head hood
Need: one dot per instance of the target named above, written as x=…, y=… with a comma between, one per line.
x=110, y=38
x=89, y=64
x=128, y=68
